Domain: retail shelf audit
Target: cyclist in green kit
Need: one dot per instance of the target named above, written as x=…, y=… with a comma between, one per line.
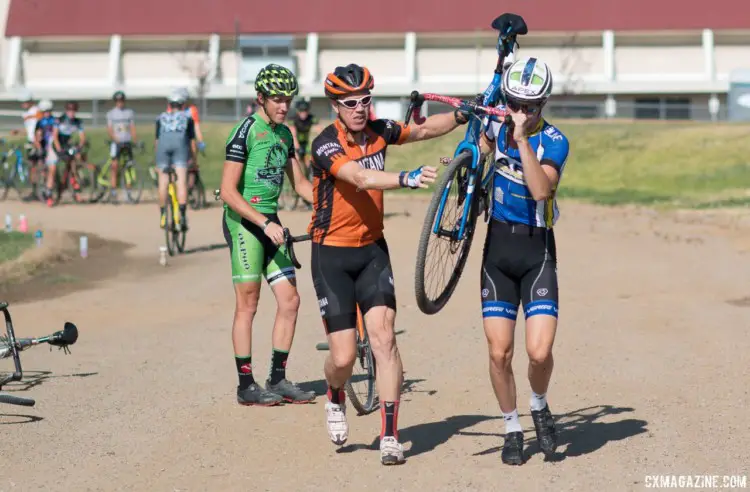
x=259, y=151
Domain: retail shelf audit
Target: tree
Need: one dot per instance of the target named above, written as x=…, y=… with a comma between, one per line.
x=196, y=63
x=572, y=65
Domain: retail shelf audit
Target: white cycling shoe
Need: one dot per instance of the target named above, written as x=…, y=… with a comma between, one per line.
x=338, y=428
x=391, y=451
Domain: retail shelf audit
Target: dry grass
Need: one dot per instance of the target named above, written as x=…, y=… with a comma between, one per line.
x=57, y=247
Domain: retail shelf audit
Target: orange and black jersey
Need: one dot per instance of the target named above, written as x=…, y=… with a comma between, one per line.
x=344, y=215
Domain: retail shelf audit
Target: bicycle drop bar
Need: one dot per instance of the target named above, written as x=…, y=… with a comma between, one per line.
x=289, y=240
x=418, y=99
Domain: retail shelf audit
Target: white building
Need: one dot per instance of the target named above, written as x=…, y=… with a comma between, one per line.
x=659, y=51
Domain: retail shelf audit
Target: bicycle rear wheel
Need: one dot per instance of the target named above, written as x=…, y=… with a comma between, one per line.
x=169, y=228
x=7, y=178
x=360, y=387
x=445, y=254
x=197, y=194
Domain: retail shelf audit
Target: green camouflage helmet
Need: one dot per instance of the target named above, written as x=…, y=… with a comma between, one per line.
x=275, y=80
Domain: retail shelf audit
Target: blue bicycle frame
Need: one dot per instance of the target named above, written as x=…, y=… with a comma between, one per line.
x=490, y=97
x=18, y=165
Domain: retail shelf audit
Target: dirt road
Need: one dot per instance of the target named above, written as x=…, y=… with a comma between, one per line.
x=651, y=368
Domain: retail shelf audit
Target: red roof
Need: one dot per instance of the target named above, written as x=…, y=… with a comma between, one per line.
x=173, y=17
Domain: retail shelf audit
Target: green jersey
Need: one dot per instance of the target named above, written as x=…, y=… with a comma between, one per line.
x=264, y=151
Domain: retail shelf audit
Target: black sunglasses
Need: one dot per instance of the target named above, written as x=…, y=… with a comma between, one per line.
x=515, y=105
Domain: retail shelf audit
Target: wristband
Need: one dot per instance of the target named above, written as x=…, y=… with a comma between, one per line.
x=401, y=176
x=265, y=224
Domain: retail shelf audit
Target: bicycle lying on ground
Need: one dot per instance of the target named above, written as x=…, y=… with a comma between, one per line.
x=12, y=346
x=360, y=387
x=463, y=192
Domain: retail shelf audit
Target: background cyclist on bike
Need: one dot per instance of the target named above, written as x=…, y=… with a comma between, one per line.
x=31, y=114
x=192, y=111
x=520, y=258
x=350, y=261
x=303, y=123
x=121, y=129
x=67, y=125
x=47, y=142
x=259, y=150
x=175, y=141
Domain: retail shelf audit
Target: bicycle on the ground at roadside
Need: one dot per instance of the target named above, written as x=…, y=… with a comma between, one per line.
x=10, y=346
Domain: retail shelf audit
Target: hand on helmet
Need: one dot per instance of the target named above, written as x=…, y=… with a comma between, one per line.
x=418, y=178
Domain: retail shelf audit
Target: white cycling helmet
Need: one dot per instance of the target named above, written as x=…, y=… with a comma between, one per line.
x=176, y=96
x=25, y=97
x=184, y=92
x=45, y=105
x=528, y=80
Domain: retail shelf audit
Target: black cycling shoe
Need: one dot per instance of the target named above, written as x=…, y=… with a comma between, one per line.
x=255, y=395
x=513, y=449
x=544, y=425
x=290, y=392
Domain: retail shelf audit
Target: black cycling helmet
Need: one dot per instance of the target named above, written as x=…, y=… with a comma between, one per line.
x=347, y=80
x=302, y=105
x=118, y=95
x=275, y=80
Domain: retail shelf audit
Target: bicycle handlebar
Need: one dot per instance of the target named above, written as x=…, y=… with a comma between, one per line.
x=417, y=99
x=289, y=241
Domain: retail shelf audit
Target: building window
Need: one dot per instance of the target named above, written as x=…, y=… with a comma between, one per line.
x=259, y=51
x=669, y=108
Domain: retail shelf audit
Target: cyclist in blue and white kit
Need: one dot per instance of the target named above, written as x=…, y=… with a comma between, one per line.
x=520, y=260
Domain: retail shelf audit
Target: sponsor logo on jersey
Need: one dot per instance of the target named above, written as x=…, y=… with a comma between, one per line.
x=255, y=199
x=376, y=162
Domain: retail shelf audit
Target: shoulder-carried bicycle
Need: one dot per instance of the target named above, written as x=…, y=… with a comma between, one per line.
x=360, y=387
x=10, y=346
x=463, y=192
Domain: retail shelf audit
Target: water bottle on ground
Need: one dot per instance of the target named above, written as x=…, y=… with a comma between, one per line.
x=38, y=238
x=84, y=246
x=8, y=223
x=23, y=224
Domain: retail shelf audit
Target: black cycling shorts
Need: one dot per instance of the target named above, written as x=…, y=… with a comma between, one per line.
x=345, y=277
x=519, y=265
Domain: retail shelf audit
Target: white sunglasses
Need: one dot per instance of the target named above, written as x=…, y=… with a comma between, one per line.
x=352, y=103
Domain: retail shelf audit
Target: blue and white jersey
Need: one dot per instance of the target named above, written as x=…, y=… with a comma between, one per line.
x=512, y=200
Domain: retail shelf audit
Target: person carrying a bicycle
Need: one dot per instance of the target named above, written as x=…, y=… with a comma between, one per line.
x=259, y=150
x=175, y=141
x=31, y=115
x=520, y=258
x=351, y=266
x=69, y=124
x=47, y=142
x=121, y=130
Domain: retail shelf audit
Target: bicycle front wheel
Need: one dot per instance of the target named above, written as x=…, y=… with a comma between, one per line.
x=132, y=182
x=441, y=257
x=360, y=387
x=7, y=178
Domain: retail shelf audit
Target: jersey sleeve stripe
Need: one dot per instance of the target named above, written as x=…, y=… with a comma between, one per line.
x=405, y=132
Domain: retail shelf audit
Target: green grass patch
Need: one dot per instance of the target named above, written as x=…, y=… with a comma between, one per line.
x=682, y=164
x=13, y=244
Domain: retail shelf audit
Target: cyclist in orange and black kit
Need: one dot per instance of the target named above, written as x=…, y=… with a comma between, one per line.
x=350, y=262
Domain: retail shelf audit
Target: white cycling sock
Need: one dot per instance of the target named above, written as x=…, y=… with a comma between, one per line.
x=511, y=422
x=538, y=402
